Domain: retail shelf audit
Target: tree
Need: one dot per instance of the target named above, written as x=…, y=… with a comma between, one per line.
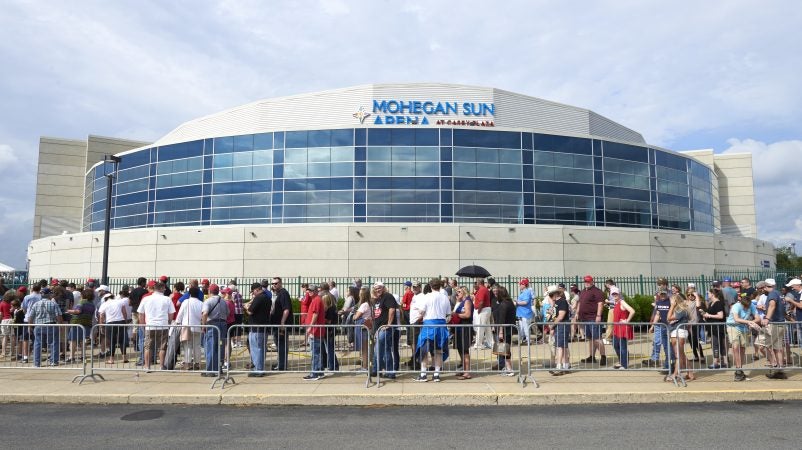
x=787, y=261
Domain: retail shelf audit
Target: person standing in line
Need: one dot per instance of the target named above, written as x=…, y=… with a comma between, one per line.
x=334, y=291
x=591, y=303
x=225, y=293
x=259, y=311
x=346, y=314
x=504, y=317
x=452, y=295
x=622, y=314
x=214, y=312
x=695, y=329
x=415, y=319
x=134, y=299
x=315, y=333
x=406, y=301
x=281, y=314
x=190, y=317
x=330, y=312
x=82, y=314
x=523, y=310
x=715, y=318
x=433, y=338
x=178, y=292
x=577, y=332
x=609, y=284
x=462, y=335
x=384, y=314
x=560, y=325
x=7, y=334
x=27, y=302
x=775, y=330
x=795, y=300
x=741, y=318
x=363, y=317
x=156, y=313
x=114, y=313
x=239, y=313
x=306, y=298
x=482, y=313
x=43, y=314
x=678, y=316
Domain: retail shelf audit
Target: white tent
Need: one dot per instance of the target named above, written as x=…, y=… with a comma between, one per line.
x=5, y=268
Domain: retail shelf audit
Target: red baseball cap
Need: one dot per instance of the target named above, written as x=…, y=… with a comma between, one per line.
x=214, y=289
x=54, y=282
x=90, y=280
x=205, y=281
x=588, y=279
x=152, y=283
x=163, y=278
x=22, y=289
x=225, y=290
x=524, y=282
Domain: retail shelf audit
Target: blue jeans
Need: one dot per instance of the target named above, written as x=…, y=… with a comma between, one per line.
x=317, y=361
x=214, y=344
x=41, y=332
x=661, y=339
x=385, y=352
x=256, y=339
x=140, y=347
x=620, y=347
x=280, y=339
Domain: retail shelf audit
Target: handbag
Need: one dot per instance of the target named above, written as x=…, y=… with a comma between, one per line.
x=501, y=348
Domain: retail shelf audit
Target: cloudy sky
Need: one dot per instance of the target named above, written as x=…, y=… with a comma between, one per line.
x=686, y=74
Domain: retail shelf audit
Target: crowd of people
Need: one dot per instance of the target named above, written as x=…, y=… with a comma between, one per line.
x=731, y=315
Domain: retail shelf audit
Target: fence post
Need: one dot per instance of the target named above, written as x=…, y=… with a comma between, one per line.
x=640, y=289
x=702, y=285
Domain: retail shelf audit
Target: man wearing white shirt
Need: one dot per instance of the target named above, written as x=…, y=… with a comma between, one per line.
x=114, y=312
x=156, y=312
x=434, y=335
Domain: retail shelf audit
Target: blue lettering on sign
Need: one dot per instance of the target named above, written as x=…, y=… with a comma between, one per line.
x=415, y=112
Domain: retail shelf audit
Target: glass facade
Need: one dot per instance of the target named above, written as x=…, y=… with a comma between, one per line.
x=404, y=175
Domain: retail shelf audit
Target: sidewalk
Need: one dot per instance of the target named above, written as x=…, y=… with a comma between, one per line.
x=51, y=386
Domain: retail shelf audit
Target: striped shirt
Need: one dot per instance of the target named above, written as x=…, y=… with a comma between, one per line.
x=43, y=312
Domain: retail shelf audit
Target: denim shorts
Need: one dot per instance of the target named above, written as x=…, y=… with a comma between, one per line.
x=592, y=331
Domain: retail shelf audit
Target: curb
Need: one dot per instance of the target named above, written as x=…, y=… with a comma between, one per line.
x=466, y=399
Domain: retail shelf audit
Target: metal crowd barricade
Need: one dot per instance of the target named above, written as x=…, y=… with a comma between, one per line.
x=293, y=351
x=392, y=359
x=567, y=347
x=44, y=347
x=172, y=349
x=768, y=349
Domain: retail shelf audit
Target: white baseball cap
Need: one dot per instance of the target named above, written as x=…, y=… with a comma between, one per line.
x=552, y=289
x=771, y=282
x=794, y=282
x=102, y=287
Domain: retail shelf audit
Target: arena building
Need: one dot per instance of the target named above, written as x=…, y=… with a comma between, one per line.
x=396, y=180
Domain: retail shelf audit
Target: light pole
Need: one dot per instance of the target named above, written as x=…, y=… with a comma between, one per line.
x=114, y=160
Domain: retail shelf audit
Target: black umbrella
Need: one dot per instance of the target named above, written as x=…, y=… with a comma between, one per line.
x=473, y=271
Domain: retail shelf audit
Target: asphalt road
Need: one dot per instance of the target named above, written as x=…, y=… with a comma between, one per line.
x=716, y=425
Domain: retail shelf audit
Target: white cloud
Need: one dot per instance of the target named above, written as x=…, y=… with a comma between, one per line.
x=334, y=7
x=778, y=186
x=7, y=155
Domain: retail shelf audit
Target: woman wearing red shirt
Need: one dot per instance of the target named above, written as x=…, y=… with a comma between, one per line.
x=622, y=313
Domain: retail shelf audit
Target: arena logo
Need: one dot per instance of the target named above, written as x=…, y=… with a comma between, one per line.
x=414, y=112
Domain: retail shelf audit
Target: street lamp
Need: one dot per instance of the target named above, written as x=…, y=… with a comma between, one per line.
x=114, y=161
